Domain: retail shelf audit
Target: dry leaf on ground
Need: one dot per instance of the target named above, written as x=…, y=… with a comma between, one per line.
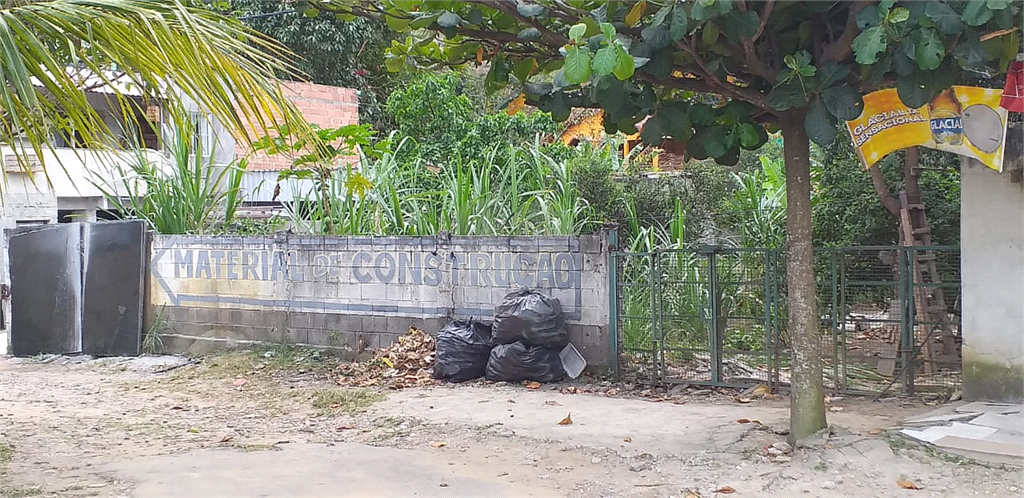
x=742, y=400
x=627, y=439
x=405, y=363
x=567, y=420
x=226, y=439
x=725, y=490
x=533, y=385
x=743, y=421
x=439, y=444
x=691, y=494
x=905, y=484
x=552, y=403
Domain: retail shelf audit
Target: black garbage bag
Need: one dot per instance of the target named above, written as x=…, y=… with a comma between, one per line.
x=532, y=318
x=517, y=362
x=463, y=348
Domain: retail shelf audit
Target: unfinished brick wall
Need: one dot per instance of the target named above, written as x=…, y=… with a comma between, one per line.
x=325, y=106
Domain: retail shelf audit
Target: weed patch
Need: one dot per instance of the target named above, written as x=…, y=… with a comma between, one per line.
x=263, y=361
x=6, y=452
x=12, y=492
x=334, y=401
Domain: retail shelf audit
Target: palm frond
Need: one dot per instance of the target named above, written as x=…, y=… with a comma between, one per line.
x=156, y=50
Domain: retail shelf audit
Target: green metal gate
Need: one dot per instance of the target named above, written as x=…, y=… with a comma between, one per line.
x=717, y=316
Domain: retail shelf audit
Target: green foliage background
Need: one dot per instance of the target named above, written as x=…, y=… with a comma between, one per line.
x=331, y=51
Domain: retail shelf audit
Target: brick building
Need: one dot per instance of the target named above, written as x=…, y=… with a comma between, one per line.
x=322, y=105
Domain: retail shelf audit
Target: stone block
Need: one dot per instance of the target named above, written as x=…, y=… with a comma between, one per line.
x=384, y=309
x=334, y=244
x=399, y=324
x=398, y=292
x=524, y=244
x=376, y=324
x=345, y=323
x=430, y=325
x=331, y=338
x=296, y=336
x=553, y=244
x=387, y=339
x=207, y=316
x=176, y=344
x=597, y=356
x=317, y=321
x=373, y=292
x=176, y=313
x=298, y=320
x=591, y=244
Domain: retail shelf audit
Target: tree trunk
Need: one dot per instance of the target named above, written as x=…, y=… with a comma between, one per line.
x=807, y=394
x=889, y=201
x=911, y=186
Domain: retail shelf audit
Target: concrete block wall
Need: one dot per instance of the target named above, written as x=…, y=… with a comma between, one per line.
x=359, y=293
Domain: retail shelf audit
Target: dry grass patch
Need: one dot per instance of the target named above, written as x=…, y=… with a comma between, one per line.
x=348, y=400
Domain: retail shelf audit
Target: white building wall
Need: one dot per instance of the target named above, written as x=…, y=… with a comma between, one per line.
x=992, y=259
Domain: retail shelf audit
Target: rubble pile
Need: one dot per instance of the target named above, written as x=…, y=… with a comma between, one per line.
x=406, y=363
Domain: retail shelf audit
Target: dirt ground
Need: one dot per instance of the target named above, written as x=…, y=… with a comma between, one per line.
x=272, y=423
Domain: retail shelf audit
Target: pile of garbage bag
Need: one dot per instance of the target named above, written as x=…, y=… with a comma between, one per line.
x=526, y=342
x=463, y=348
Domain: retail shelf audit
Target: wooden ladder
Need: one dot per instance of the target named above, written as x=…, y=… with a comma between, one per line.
x=930, y=303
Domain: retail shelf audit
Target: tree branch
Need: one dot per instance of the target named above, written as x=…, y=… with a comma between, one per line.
x=745, y=94
x=842, y=48
x=765, y=14
x=889, y=201
x=563, y=12
x=489, y=36
x=688, y=84
x=510, y=9
x=757, y=65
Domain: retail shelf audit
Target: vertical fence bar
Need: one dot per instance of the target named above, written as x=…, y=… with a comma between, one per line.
x=613, y=301
x=834, y=290
x=774, y=363
x=906, y=325
x=660, y=319
x=767, y=336
x=654, y=317
x=844, y=371
x=715, y=332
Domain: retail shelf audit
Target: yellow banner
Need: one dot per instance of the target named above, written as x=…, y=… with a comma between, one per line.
x=964, y=120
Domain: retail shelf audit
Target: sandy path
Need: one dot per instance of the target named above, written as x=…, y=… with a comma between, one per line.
x=240, y=425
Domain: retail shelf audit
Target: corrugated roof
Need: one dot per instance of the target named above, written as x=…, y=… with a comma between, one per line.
x=109, y=82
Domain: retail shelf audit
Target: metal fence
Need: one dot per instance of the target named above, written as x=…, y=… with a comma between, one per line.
x=717, y=316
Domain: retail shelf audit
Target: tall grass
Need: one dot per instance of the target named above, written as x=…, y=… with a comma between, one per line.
x=192, y=197
x=506, y=191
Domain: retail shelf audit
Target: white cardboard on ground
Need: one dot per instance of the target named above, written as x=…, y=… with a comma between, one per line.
x=933, y=434
x=1011, y=423
x=981, y=406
